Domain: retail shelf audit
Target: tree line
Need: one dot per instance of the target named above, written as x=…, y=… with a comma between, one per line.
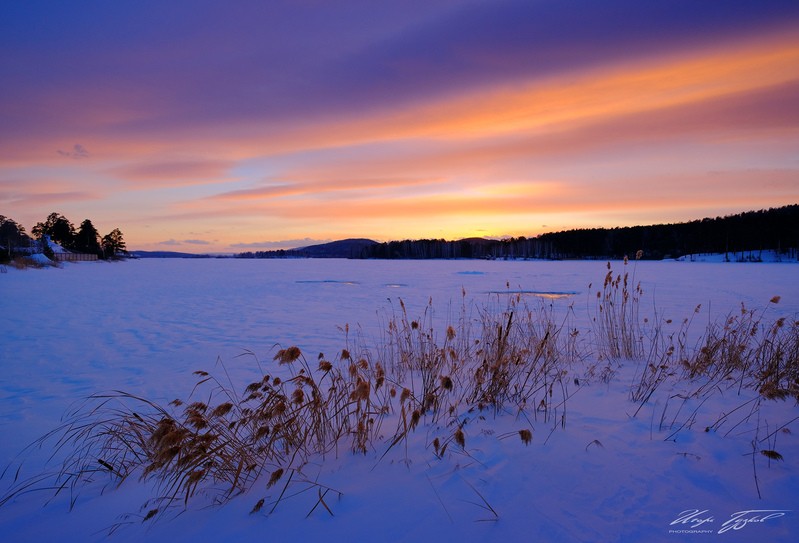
x=14, y=240
x=740, y=237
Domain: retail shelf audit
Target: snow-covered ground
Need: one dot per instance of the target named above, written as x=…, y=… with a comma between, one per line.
x=144, y=326
x=742, y=256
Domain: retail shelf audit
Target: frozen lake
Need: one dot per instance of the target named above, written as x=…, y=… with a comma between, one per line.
x=143, y=325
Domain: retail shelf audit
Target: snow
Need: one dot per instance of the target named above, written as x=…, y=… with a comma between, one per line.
x=40, y=258
x=607, y=474
x=55, y=247
x=741, y=256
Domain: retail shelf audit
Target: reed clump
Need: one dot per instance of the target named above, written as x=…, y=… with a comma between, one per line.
x=25, y=262
x=749, y=351
x=616, y=318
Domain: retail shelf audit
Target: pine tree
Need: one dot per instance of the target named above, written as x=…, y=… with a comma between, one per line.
x=113, y=244
x=12, y=235
x=87, y=239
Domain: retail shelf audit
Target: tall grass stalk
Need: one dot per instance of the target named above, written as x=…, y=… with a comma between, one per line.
x=616, y=318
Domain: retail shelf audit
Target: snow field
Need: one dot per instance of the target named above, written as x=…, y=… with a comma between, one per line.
x=603, y=474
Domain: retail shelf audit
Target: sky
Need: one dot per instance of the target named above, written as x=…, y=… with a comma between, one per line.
x=227, y=126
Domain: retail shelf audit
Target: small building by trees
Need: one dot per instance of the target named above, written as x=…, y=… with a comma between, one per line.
x=59, y=228
x=57, y=231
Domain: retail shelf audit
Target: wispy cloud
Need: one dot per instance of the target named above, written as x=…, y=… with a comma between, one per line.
x=40, y=199
x=147, y=173
x=78, y=152
x=322, y=186
x=282, y=244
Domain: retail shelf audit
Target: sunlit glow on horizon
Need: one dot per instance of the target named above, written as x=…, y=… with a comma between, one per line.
x=671, y=134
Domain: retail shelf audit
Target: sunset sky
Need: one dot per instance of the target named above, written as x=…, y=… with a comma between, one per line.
x=226, y=126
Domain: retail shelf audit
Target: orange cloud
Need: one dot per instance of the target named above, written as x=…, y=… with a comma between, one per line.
x=518, y=208
x=174, y=172
x=300, y=188
x=560, y=103
x=717, y=94
x=527, y=107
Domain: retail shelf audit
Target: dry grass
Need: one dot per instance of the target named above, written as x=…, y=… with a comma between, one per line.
x=25, y=262
x=747, y=351
x=507, y=357
x=616, y=320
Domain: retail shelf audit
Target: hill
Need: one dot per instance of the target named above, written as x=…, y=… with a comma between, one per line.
x=739, y=237
x=345, y=248
x=742, y=237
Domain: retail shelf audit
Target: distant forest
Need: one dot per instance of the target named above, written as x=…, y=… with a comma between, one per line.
x=739, y=237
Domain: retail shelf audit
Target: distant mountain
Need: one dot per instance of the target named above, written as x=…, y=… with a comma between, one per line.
x=741, y=237
x=345, y=248
x=745, y=236
x=165, y=254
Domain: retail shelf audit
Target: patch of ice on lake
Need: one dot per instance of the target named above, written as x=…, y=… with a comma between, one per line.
x=326, y=281
x=539, y=293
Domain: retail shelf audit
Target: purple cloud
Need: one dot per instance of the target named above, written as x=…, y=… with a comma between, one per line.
x=283, y=244
x=78, y=151
x=278, y=61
